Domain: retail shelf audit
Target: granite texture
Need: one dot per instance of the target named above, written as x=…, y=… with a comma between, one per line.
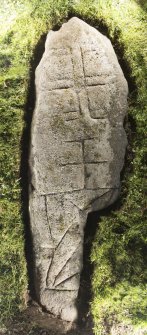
x=77, y=152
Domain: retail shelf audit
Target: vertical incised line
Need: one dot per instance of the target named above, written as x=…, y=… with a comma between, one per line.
x=45, y=198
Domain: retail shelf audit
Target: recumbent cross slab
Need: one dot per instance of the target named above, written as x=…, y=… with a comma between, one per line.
x=76, y=154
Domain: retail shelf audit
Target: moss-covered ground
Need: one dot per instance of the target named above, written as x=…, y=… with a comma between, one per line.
x=119, y=250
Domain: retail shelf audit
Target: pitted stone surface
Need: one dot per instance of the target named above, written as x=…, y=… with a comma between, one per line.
x=77, y=152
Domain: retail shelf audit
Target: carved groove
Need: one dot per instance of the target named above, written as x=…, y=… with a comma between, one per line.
x=73, y=151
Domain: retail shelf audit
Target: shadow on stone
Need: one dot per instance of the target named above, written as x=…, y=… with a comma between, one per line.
x=24, y=168
x=85, y=294
x=84, y=324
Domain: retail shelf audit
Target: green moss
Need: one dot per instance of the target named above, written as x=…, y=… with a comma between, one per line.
x=122, y=305
x=12, y=262
x=22, y=24
x=119, y=249
x=62, y=223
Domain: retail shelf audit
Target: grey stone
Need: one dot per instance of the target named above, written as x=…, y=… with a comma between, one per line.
x=77, y=152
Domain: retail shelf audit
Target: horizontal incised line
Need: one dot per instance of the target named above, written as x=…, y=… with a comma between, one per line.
x=86, y=163
x=67, y=164
x=94, y=85
x=76, y=118
x=79, y=190
x=54, y=289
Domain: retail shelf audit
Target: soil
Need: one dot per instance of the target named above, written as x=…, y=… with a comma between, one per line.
x=33, y=321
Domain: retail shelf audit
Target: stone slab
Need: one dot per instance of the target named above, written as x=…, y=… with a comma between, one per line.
x=76, y=155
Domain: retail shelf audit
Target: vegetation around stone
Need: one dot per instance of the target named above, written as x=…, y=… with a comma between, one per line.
x=119, y=250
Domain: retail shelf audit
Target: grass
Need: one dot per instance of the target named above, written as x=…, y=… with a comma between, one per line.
x=119, y=249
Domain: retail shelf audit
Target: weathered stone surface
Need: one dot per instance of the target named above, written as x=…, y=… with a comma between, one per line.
x=77, y=152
